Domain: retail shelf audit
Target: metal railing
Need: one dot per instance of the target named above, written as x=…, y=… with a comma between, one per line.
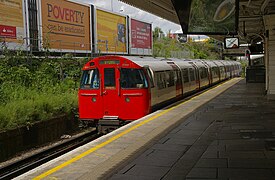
x=61, y=47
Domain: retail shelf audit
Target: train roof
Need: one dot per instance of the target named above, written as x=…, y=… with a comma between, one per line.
x=163, y=64
x=156, y=64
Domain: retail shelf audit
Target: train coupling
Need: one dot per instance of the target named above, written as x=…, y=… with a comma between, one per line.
x=108, y=124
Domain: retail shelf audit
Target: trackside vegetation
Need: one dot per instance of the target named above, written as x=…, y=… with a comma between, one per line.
x=35, y=89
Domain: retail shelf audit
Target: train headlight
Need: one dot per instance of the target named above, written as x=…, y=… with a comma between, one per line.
x=127, y=99
x=94, y=99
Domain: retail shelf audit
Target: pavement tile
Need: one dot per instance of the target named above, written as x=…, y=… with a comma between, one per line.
x=155, y=161
x=210, y=154
x=250, y=163
x=243, y=154
x=171, y=147
x=229, y=136
x=202, y=173
x=132, y=177
x=180, y=141
x=211, y=163
x=151, y=171
x=254, y=127
x=270, y=154
x=175, y=175
x=233, y=173
x=183, y=136
x=216, y=147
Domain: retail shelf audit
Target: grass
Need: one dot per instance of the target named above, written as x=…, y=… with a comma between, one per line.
x=37, y=92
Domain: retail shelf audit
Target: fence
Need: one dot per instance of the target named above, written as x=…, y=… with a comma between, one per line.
x=63, y=47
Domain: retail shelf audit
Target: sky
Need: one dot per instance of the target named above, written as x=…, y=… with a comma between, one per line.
x=118, y=6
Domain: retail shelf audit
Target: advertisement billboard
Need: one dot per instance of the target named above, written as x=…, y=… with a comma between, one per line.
x=65, y=26
x=140, y=38
x=111, y=32
x=12, y=24
x=217, y=17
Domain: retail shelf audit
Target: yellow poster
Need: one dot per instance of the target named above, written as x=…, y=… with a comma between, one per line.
x=65, y=25
x=111, y=32
x=11, y=21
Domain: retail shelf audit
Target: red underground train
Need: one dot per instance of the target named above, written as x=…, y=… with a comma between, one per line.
x=115, y=89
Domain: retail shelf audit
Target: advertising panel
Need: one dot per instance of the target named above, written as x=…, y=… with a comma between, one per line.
x=111, y=32
x=12, y=26
x=65, y=26
x=141, y=37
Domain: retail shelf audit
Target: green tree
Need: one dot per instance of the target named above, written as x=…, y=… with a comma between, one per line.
x=157, y=33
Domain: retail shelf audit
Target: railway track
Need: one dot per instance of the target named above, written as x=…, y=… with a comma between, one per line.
x=21, y=166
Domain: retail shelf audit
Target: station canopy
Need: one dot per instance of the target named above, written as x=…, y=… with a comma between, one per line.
x=217, y=18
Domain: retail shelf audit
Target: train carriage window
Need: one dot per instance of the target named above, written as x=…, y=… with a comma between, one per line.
x=185, y=75
x=203, y=72
x=161, y=80
x=90, y=79
x=170, y=78
x=192, y=74
x=109, y=78
x=215, y=71
x=133, y=78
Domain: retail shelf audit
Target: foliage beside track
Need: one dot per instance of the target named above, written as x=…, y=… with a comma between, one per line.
x=36, y=89
x=163, y=46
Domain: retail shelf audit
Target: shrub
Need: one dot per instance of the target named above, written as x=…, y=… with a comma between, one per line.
x=37, y=89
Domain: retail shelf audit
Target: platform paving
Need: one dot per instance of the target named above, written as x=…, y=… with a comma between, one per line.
x=231, y=137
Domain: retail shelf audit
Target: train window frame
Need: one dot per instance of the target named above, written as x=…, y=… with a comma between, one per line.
x=94, y=83
x=142, y=76
x=113, y=81
x=170, y=78
x=148, y=70
x=185, y=75
x=192, y=73
x=161, y=80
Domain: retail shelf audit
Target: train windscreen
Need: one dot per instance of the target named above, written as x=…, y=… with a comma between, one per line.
x=133, y=78
x=90, y=79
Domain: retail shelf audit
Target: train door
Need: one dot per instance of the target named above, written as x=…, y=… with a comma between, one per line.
x=186, y=81
x=110, y=91
x=197, y=73
x=90, y=103
x=192, y=75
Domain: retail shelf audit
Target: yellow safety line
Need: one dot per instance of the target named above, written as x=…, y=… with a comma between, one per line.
x=76, y=158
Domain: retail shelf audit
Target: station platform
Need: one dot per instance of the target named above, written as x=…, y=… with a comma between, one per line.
x=226, y=132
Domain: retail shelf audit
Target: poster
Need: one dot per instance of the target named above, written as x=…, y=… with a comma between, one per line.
x=141, y=37
x=12, y=28
x=65, y=26
x=111, y=32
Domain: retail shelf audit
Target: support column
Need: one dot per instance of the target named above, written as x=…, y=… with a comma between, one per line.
x=270, y=55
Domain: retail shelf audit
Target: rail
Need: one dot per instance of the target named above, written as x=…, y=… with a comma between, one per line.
x=19, y=167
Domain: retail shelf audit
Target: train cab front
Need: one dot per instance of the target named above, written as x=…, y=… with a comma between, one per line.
x=113, y=90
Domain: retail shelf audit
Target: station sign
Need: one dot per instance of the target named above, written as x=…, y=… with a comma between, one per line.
x=65, y=26
x=110, y=32
x=12, y=24
x=140, y=37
